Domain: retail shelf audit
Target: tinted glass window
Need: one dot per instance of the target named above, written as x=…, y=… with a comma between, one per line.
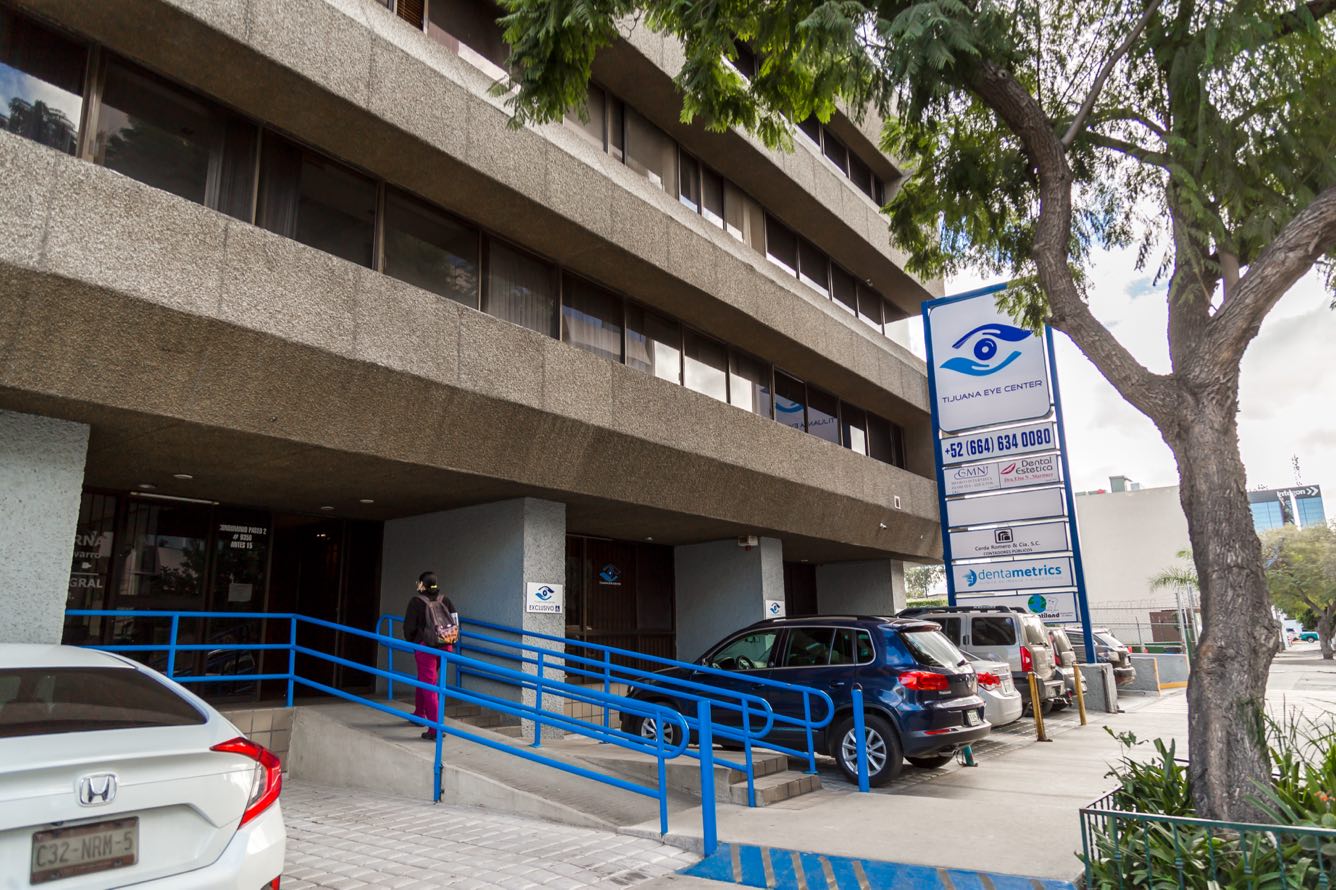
x=316, y=201
x=41, y=83
x=950, y=627
x=749, y=384
x=854, y=426
x=712, y=196
x=616, y=127
x=46, y=701
x=431, y=250
x=835, y=150
x=153, y=132
x=592, y=318
x=808, y=647
x=992, y=631
x=823, y=415
x=932, y=649
x=869, y=307
x=706, y=366
x=468, y=23
x=650, y=152
x=844, y=289
x=860, y=174
x=781, y=244
x=811, y=127
x=166, y=556
x=884, y=441
x=813, y=265
x=851, y=647
x=790, y=401
x=743, y=218
x=521, y=288
x=653, y=343
x=745, y=653
x=595, y=109
x=689, y=177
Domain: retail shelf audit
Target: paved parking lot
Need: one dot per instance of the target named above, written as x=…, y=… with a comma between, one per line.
x=346, y=840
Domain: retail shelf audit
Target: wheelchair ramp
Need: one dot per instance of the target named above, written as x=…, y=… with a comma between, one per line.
x=351, y=746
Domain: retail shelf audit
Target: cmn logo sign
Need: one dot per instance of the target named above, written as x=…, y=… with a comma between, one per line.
x=983, y=356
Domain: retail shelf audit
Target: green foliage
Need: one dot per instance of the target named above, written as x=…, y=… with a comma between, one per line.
x=1182, y=578
x=1301, y=569
x=920, y=579
x=1129, y=853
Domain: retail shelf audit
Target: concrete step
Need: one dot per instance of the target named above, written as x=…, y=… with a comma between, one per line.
x=775, y=787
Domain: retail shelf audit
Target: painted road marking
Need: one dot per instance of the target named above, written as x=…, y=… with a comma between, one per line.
x=751, y=866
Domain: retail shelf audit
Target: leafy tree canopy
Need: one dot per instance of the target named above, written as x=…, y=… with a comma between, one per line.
x=1301, y=574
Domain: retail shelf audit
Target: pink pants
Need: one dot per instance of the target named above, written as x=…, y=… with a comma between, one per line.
x=426, y=702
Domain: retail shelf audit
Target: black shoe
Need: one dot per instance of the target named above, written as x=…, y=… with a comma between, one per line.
x=429, y=735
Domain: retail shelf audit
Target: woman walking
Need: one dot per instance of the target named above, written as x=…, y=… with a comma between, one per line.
x=430, y=620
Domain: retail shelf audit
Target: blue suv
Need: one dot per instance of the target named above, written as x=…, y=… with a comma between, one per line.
x=919, y=694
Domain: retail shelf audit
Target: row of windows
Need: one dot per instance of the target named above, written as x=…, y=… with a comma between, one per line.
x=139, y=125
x=845, y=159
x=1274, y=514
x=619, y=130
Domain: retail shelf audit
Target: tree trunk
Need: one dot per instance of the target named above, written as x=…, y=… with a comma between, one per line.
x=1326, y=628
x=1226, y=693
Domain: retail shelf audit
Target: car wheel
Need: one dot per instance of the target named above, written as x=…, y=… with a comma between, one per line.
x=648, y=728
x=933, y=761
x=884, y=757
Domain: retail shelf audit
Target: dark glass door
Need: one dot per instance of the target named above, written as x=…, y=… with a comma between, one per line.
x=620, y=594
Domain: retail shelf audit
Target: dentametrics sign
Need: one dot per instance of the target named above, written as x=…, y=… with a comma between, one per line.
x=1021, y=574
x=987, y=369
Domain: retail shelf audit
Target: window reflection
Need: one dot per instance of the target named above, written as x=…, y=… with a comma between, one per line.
x=41, y=84
x=653, y=343
x=706, y=366
x=844, y=289
x=521, y=288
x=167, y=554
x=853, y=422
x=591, y=318
x=429, y=249
x=321, y=203
x=650, y=152
x=823, y=411
x=749, y=384
x=790, y=401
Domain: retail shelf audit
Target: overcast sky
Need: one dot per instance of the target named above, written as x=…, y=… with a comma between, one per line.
x=1288, y=397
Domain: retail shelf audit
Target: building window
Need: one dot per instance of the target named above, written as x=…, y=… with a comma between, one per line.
x=813, y=266
x=321, y=203
x=844, y=288
x=653, y=343
x=835, y=150
x=749, y=384
x=823, y=415
x=885, y=441
x=594, y=128
x=781, y=245
x=427, y=248
x=521, y=288
x=689, y=176
x=853, y=425
x=591, y=318
x=861, y=175
x=712, y=196
x=650, y=152
x=790, y=401
x=869, y=307
x=470, y=28
x=41, y=83
x=410, y=11
x=706, y=365
x=616, y=128
x=811, y=127
x=746, y=63
x=743, y=217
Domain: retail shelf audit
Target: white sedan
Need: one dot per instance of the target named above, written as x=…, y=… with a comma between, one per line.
x=113, y=775
x=1002, y=704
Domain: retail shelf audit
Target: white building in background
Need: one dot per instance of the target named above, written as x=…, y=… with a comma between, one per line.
x=1130, y=534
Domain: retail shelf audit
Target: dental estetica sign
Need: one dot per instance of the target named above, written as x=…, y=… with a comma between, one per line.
x=987, y=369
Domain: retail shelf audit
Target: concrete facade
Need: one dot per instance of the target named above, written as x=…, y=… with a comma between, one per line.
x=41, y=475
x=870, y=587
x=722, y=587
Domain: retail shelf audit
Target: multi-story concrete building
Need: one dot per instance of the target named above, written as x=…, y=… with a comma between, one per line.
x=289, y=313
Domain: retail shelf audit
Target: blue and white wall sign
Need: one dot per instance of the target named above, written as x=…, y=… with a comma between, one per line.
x=1011, y=506
x=1010, y=540
x=1007, y=442
x=548, y=598
x=1019, y=574
x=774, y=608
x=988, y=370
x=1001, y=462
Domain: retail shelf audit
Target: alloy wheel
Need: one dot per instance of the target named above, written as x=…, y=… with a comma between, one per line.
x=876, y=750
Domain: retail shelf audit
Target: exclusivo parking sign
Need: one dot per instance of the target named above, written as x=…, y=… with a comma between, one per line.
x=987, y=369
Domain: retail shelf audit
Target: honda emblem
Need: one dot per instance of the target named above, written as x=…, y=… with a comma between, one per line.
x=97, y=790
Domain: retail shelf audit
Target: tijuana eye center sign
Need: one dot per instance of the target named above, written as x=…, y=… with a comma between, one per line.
x=987, y=370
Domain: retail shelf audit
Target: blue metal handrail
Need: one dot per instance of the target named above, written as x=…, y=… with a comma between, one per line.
x=662, y=751
x=609, y=672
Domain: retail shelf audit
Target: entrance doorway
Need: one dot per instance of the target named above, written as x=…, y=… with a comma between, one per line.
x=620, y=593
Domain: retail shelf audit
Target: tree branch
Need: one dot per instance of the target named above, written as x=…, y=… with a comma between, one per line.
x=1154, y=395
x=1131, y=149
x=1097, y=87
x=1307, y=238
x=1293, y=21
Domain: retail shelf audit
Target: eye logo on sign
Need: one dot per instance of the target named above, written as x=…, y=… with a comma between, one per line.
x=774, y=608
x=985, y=350
x=544, y=593
x=610, y=574
x=1037, y=604
x=784, y=406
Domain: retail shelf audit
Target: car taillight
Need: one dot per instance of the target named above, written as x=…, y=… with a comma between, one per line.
x=1027, y=660
x=925, y=681
x=988, y=680
x=267, y=780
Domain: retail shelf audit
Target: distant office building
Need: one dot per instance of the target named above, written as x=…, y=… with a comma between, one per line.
x=1300, y=505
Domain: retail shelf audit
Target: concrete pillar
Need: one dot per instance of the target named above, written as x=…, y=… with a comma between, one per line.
x=870, y=587
x=485, y=556
x=41, y=481
x=721, y=587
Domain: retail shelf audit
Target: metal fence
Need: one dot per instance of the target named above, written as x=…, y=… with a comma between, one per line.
x=1129, y=850
x=1148, y=627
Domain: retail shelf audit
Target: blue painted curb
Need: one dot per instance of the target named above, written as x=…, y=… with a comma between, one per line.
x=750, y=866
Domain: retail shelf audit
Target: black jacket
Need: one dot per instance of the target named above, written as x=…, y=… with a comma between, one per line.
x=415, y=618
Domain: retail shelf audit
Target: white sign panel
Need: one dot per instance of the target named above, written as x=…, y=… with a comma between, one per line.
x=1012, y=506
x=1012, y=473
x=1054, y=607
x=987, y=369
x=1010, y=540
x=999, y=443
x=544, y=598
x=774, y=608
x=1022, y=574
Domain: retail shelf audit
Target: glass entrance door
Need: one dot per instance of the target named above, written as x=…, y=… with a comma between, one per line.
x=620, y=594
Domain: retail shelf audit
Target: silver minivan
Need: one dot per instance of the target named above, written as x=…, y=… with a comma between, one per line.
x=1002, y=633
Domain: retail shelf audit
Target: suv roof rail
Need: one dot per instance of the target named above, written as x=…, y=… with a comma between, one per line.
x=928, y=610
